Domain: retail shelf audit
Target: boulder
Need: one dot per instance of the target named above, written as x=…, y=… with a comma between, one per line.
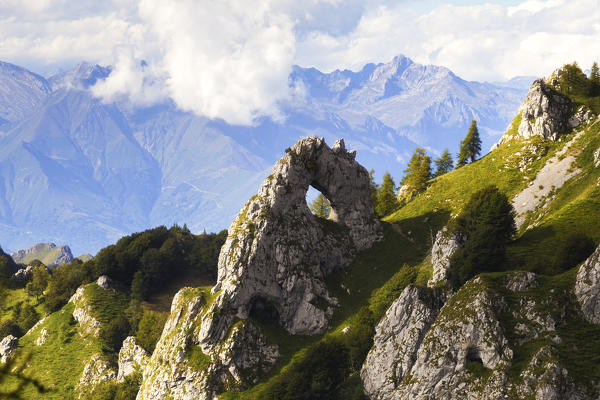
x=104, y=282
x=132, y=358
x=8, y=345
x=587, y=288
x=444, y=246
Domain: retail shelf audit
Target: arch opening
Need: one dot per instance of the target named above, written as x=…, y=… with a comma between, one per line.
x=318, y=202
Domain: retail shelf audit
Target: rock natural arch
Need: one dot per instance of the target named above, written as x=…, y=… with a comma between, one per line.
x=277, y=250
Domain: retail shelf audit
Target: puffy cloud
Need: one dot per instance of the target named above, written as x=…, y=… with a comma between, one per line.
x=479, y=42
x=231, y=59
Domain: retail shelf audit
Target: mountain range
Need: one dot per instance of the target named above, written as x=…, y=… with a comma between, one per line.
x=77, y=170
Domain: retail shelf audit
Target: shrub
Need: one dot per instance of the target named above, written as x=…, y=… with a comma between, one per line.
x=487, y=223
x=25, y=316
x=573, y=250
x=112, y=335
x=8, y=327
x=149, y=330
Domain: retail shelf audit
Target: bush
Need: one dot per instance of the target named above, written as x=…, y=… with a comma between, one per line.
x=576, y=248
x=25, y=316
x=8, y=327
x=487, y=223
x=149, y=330
x=128, y=389
x=112, y=335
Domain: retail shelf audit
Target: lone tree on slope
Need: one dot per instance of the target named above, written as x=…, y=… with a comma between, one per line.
x=470, y=147
x=444, y=164
x=418, y=171
x=386, y=197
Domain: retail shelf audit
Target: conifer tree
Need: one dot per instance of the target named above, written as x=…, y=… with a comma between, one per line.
x=594, y=80
x=443, y=164
x=386, y=197
x=470, y=147
x=418, y=171
x=320, y=206
x=373, y=186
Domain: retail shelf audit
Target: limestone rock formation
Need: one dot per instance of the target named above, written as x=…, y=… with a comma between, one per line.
x=444, y=246
x=178, y=366
x=397, y=339
x=104, y=282
x=547, y=113
x=132, y=358
x=587, y=288
x=8, y=345
x=83, y=313
x=23, y=274
x=272, y=266
x=465, y=349
x=95, y=371
x=278, y=253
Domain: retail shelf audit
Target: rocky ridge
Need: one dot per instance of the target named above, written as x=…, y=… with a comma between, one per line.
x=273, y=266
x=48, y=253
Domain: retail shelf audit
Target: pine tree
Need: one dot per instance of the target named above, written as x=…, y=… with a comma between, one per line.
x=386, y=197
x=320, y=206
x=443, y=164
x=470, y=147
x=418, y=171
x=373, y=186
x=594, y=80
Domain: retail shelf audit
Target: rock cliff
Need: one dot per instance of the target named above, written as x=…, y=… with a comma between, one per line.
x=466, y=349
x=48, y=253
x=272, y=266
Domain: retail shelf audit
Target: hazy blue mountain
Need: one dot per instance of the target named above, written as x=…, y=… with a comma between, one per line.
x=76, y=170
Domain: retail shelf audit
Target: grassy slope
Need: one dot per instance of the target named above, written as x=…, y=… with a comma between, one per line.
x=378, y=275
x=58, y=363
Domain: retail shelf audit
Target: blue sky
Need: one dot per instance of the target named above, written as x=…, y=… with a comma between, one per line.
x=231, y=58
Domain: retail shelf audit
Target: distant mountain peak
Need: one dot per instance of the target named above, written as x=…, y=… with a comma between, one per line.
x=84, y=75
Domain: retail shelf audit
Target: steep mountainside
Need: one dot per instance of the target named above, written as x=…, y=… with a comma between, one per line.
x=79, y=171
x=356, y=308
x=48, y=253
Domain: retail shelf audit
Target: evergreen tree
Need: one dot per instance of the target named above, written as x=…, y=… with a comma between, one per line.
x=470, y=147
x=373, y=186
x=486, y=223
x=386, y=197
x=594, y=80
x=418, y=171
x=320, y=206
x=444, y=164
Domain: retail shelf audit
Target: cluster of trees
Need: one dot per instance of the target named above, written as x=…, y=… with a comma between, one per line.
x=573, y=81
x=387, y=198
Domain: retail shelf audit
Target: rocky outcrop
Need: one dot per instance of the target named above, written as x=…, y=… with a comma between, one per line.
x=95, y=371
x=398, y=336
x=547, y=113
x=104, y=282
x=8, y=345
x=278, y=253
x=23, y=274
x=83, y=313
x=444, y=246
x=132, y=358
x=272, y=266
x=48, y=253
x=41, y=339
x=465, y=350
x=180, y=368
x=587, y=288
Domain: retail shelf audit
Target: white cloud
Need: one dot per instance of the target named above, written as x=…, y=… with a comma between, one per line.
x=231, y=59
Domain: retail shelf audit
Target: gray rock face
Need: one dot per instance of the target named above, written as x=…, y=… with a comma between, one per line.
x=23, y=274
x=277, y=253
x=95, y=371
x=465, y=349
x=587, y=288
x=83, y=313
x=446, y=243
x=132, y=358
x=397, y=339
x=8, y=345
x=179, y=367
x=544, y=112
x=104, y=282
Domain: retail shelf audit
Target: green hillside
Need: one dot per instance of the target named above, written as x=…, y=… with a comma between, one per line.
x=145, y=267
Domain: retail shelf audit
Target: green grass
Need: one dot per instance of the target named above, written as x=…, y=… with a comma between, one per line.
x=105, y=304
x=196, y=358
x=15, y=296
x=59, y=362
